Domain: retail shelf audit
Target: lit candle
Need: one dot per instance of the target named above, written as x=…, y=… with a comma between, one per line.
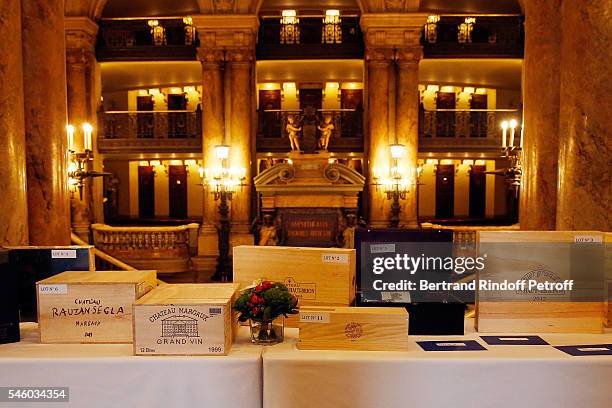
x=512, y=128
x=504, y=126
x=70, y=131
x=87, y=129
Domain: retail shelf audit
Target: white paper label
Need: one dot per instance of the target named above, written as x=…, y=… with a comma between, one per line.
x=581, y=239
x=450, y=344
x=513, y=338
x=314, y=317
x=587, y=349
x=59, y=289
x=381, y=248
x=63, y=253
x=400, y=297
x=335, y=258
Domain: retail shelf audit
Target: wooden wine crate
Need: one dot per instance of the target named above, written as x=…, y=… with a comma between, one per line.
x=353, y=328
x=186, y=319
x=90, y=307
x=609, y=308
x=539, y=311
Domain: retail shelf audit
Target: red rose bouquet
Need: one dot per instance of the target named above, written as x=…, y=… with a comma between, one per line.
x=265, y=301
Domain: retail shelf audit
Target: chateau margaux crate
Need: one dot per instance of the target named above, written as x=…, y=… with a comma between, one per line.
x=316, y=276
x=186, y=319
x=34, y=263
x=353, y=328
x=90, y=307
x=556, y=258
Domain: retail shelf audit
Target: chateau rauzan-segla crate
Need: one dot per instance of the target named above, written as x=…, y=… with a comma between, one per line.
x=540, y=257
x=90, y=307
x=186, y=319
x=353, y=328
x=316, y=276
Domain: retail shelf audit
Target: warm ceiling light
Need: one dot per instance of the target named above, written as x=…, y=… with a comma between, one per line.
x=481, y=91
x=433, y=88
x=176, y=162
x=448, y=88
x=143, y=92
x=155, y=163
x=176, y=90
x=143, y=163
x=154, y=91
x=190, y=162
x=468, y=89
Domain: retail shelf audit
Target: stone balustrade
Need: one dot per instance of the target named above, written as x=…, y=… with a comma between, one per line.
x=165, y=249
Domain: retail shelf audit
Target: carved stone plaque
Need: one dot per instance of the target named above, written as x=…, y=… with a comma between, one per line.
x=309, y=227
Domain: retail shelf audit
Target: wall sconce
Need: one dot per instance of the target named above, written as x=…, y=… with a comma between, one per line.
x=158, y=32
x=513, y=152
x=190, y=31
x=290, y=27
x=464, y=30
x=332, y=31
x=78, y=166
x=431, y=29
x=393, y=182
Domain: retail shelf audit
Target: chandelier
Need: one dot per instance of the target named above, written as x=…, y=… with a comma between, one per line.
x=223, y=181
x=158, y=32
x=190, y=31
x=290, y=27
x=431, y=29
x=394, y=182
x=332, y=31
x=464, y=33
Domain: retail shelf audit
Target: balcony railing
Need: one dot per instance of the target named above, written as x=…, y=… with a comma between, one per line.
x=172, y=130
x=347, y=135
x=310, y=43
x=462, y=129
x=132, y=40
x=491, y=37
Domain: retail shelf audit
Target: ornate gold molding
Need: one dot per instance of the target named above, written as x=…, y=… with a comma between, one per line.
x=80, y=33
x=393, y=30
x=389, y=6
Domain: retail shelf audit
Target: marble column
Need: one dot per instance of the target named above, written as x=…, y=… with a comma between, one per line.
x=76, y=65
x=541, y=68
x=213, y=132
x=378, y=65
x=44, y=73
x=239, y=68
x=407, y=124
x=14, y=204
x=585, y=139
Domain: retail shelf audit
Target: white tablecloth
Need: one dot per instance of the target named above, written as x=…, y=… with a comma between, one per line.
x=502, y=376
x=108, y=375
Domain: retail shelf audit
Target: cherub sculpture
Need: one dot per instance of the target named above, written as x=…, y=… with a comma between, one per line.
x=293, y=132
x=326, y=128
x=267, y=234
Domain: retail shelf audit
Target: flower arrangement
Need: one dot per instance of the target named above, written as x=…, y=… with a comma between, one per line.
x=265, y=301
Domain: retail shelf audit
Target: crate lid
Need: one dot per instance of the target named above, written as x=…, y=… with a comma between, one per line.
x=355, y=310
x=190, y=293
x=100, y=277
x=292, y=249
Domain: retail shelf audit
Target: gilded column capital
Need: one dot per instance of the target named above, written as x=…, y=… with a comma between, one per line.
x=240, y=55
x=77, y=58
x=393, y=30
x=379, y=55
x=408, y=55
x=81, y=33
x=211, y=56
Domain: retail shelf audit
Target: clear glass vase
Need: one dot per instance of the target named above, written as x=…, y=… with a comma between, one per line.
x=267, y=332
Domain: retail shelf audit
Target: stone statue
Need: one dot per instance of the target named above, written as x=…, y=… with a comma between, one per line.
x=326, y=128
x=346, y=238
x=267, y=234
x=293, y=133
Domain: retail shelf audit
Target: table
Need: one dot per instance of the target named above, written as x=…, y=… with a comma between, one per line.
x=108, y=375
x=503, y=376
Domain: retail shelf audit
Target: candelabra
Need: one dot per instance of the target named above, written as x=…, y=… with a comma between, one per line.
x=513, y=153
x=393, y=183
x=223, y=181
x=78, y=167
